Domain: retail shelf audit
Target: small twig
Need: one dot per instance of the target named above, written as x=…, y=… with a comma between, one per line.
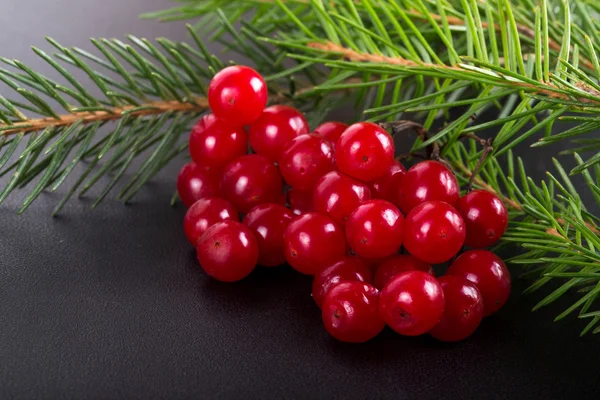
x=487, y=149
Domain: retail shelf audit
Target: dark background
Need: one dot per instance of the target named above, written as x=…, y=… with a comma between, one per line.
x=111, y=303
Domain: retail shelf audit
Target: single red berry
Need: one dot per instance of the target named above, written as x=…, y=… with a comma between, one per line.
x=300, y=201
x=350, y=312
x=374, y=229
x=251, y=180
x=237, y=95
x=267, y=222
x=346, y=269
x=338, y=195
x=412, y=303
x=227, y=251
x=485, y=218
x=195, y=183
x=434, y=232
x=427, y=181
x=205, y=213
x=312, y=241
x=331, y=130
x=395, y=265
x=364, y=151
x=385, y=186
x=489, y=273
x=305, y=159
x=214, y=143
x=463, y=311
x=274, y=129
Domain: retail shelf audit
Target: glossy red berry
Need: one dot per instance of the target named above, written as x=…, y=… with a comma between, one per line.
x=338, y=195
x=375, y=229
x=434, y=232
x=227, y=251
x=300, y=201
x=346, y=269
x=195, y=183
x=305, y=159
x=215, y=143
x=395, y=265
x=385, y=186
x=427, y=181
x=489, y=273
x=412, y=303
x=268, y=222
x=251, y=180
x=485, y=218
x=331, y=130
x=237, y=95
x=312, y=242
x=364, y=151
x=350, y=312
x=463, y=311
x=205, y=213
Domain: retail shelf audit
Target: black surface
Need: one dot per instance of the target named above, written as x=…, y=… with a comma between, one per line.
x=111, y=303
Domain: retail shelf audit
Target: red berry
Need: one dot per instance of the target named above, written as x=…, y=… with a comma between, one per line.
x=251, y=180
x=313, y=241
x=338, y=195
x=237, y=95
x=412, y=303
x=385, y=186
x=488, y=272
x=227, y=251
x=350, y=312
x=364, y=151
x=396, y=265
x=305, y=159
x=374, y=229
x=485, y=218
x=205, y=213
x=214, y=143
x=331, y=130
x=268, y=222
x=463, y=311
x=434, y=232
x=427, y=181
x=301, y=201
x=195, y=183
x=347, y=269
x=274, y=129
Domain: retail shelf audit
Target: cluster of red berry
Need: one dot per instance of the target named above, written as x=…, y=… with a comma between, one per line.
x=346, y=211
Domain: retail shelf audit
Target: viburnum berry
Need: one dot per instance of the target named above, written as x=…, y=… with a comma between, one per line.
x=434, y=232
x=485, y=218
x=195, y=183
x=350, y=312
x=237, y=95
x=300, y=201
x=205, y=213
x=338, y=195
x=395, y=265
x=305, y=159
x=227, y=251
x=268, y=222
x=215, y=143
x=346, y=269
x=463, y=310
x=331, y=130
x=274, y=129
x=412, y=303
x=384, y=186
x=489, y=273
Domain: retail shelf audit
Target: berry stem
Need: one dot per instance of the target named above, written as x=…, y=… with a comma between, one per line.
x=487, y=149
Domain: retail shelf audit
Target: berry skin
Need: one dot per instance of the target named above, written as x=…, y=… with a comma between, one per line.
x=364, y=151
x=331, y=130
x=214, y=143
x=396, y=265
x=275, y=128
x=268, y=222
x=301, y=201
x=237, y=95
x=488, y=272
x=251, y=180
x=346, y=269
x=412, y=303
x=485, y=218
x=305, y=159
x=384, y=186
x=434, y=232
x=195, y=183
x=463, y=311
x=313, y=241
x=375, y=229
x=227, y=251
x=205, y=213
x=338, y=195
x=427, y=181
x=350, y=312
